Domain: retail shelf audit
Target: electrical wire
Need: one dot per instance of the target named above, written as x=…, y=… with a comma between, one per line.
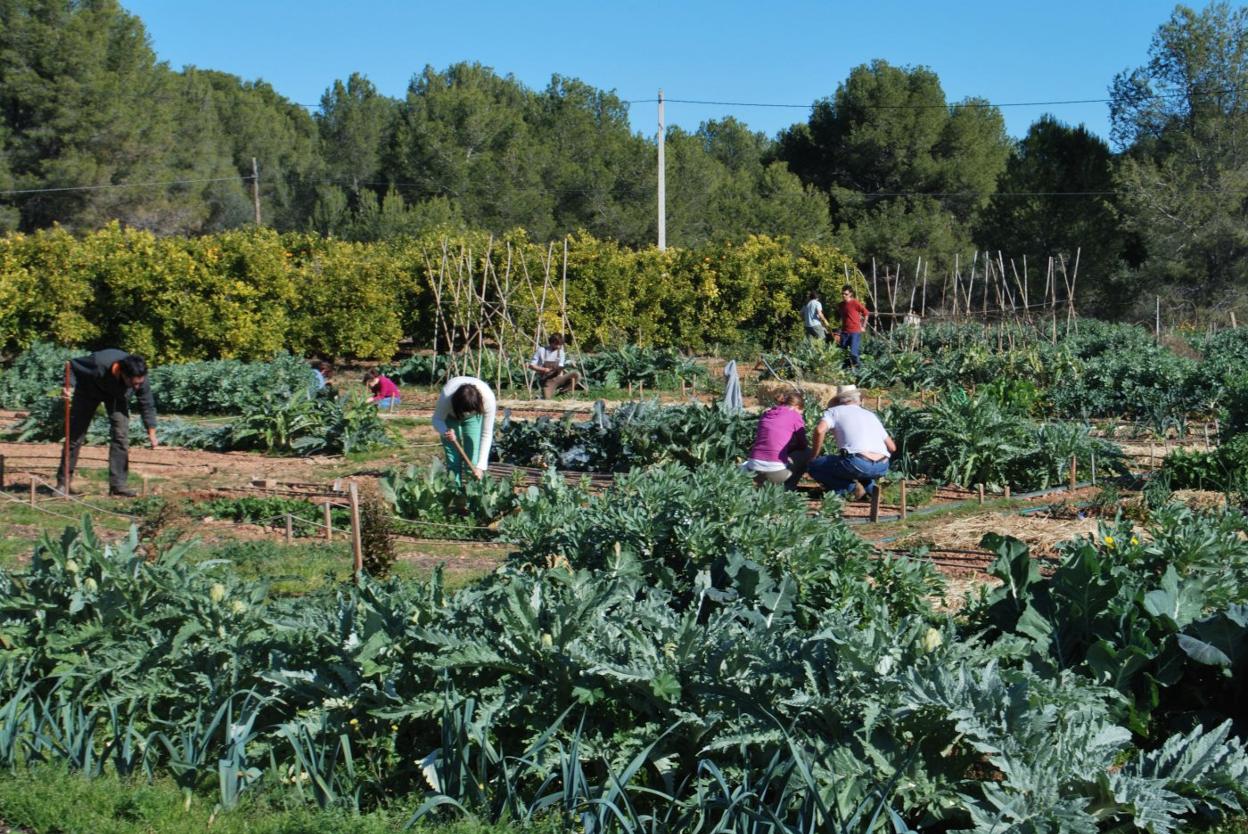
x=105, y=186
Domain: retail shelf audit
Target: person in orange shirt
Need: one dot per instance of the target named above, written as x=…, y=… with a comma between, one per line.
x=853, y=314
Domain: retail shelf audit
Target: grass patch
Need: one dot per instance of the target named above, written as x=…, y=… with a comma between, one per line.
x=51, y=799
x=23, y=525
x=297, y=569
x=916, y=496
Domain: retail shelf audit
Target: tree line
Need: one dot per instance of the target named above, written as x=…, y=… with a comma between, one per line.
x=885, y=167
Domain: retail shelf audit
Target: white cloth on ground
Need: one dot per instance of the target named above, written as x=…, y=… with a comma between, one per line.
x=734, y=403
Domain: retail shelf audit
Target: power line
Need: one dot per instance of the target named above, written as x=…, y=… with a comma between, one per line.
x=966, y=104
x=118, y=185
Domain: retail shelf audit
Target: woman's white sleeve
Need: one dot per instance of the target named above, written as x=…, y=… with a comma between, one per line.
x=441, y=411
x=489, y=406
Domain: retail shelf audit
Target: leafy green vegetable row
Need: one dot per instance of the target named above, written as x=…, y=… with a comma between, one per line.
x=702, y=655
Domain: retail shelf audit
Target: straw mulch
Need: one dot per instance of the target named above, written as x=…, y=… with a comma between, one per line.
x=1041, y=534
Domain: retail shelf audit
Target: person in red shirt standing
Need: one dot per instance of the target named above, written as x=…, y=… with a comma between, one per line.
x=853, y=314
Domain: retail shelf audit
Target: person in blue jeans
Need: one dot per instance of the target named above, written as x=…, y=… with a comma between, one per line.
x=853, y=314
x=862, y=443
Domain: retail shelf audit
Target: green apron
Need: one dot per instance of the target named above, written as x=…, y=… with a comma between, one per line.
x=468, y=432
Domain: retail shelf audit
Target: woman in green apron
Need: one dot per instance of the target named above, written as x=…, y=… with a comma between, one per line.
x=464, y=419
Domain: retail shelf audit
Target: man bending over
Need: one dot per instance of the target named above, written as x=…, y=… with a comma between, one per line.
x=107, y=377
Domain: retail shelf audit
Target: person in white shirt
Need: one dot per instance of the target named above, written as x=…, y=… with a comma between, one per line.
x=812, y=317
x=548, y=363
x=465, y=413
x=863, y=445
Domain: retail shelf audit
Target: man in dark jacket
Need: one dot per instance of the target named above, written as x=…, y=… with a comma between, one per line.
x=107, y=377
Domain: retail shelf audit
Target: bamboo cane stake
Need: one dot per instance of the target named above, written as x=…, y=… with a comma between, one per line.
x=1074, y=280
x=970, y=286
x=1009, y=294
x=923, y=298
x=944, y=289
x=65, y=464
x=1026, y=301
x=914, y=288
x=875, y=287
x=1018, y=284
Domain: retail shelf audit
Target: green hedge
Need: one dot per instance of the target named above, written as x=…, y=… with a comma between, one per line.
x=249, y=294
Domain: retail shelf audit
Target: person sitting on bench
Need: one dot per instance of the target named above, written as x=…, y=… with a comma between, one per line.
x=863, y=446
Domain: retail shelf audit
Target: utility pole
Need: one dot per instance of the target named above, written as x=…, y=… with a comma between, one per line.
x=662, y=182
x=255, y=188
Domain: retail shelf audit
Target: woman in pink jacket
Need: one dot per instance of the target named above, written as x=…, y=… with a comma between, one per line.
x=780, y=452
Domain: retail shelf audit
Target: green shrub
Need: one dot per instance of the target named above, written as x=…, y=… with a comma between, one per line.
x=1224, y=469
x=227, y=386
x=630, y=436
x=35, y=374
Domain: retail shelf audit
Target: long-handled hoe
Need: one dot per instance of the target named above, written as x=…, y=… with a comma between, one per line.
x=463, y=457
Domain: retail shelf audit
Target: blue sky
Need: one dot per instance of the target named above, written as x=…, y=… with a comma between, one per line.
x=782, y=53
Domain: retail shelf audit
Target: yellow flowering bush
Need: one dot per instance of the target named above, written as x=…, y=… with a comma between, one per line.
x=250, y=293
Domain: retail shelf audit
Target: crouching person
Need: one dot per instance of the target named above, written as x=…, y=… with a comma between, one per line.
x=863, y=446
x=780, y=451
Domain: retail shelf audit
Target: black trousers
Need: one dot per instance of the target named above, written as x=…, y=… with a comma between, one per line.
x=81, y=411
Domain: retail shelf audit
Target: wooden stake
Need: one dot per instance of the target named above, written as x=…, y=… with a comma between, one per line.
x=979, y=489
x=1233, y=324
x=32, y=490
x=902, y=486
x=357, y=546
x=1, y=471
x=874, y=514
x=1206, y=437
x=1074, y=472
x=290, y=528
x=329, y=521
x=1007, y=490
